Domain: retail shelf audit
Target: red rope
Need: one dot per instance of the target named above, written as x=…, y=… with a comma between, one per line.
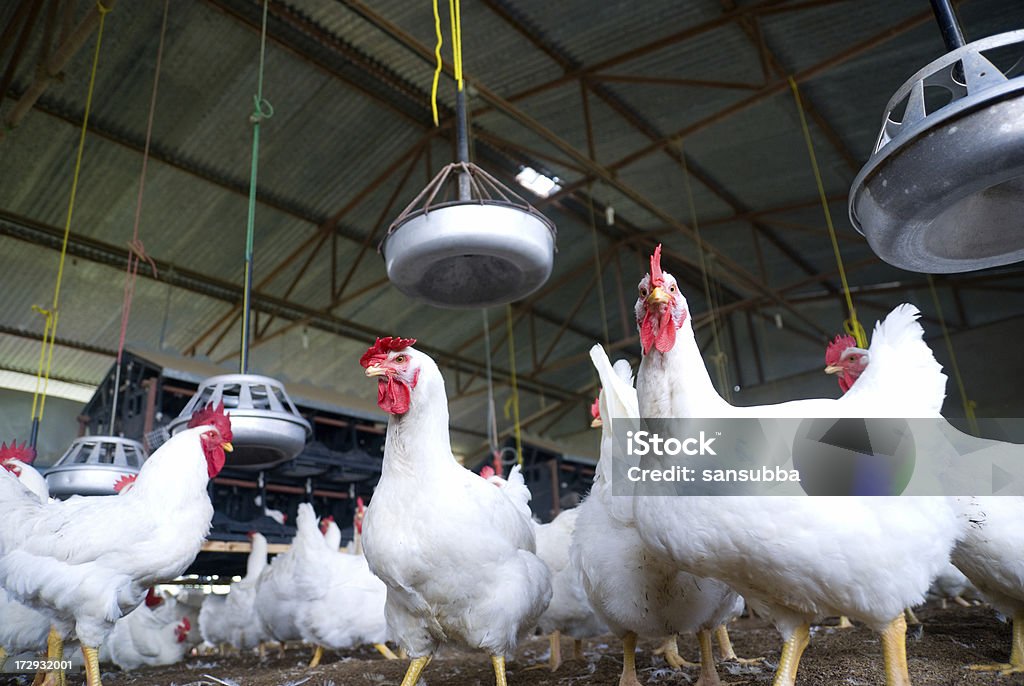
x=136, y=250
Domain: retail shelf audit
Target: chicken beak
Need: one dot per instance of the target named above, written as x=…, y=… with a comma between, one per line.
x=659, y=296
x=597, y=423
x=376, y=370
x=834, y=369
x=228, y=447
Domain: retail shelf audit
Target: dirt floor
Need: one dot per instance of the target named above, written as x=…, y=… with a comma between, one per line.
x=948, y=641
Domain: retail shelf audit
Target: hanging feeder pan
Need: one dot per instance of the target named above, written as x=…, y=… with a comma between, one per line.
x=266, y=426
x=488, y=247
x=93, y=464
x=944, y=190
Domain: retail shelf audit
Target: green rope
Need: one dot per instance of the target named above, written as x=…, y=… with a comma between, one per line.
x=261, y=110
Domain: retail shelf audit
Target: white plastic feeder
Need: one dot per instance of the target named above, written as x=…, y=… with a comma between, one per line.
x=266, y=426
x=93, y=464
x=944, y=190
x=489, y=247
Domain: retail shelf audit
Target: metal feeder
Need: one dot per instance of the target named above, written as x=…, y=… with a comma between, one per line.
x=93, y=464
x=944, y=190
x=489, y=247
x=266, y=426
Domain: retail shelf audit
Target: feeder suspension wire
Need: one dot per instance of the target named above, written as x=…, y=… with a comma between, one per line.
x=851, y=325
x=51, y=315
x=137, y=251
x=262, y=110
x=968, y=404
x=720, y=361
x=515, y=386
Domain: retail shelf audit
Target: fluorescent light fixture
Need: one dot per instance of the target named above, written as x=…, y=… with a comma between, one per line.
x=537, y=183
x=17, y=381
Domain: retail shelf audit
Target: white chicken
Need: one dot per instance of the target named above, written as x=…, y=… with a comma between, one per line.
x=237, y=622
x=154, y=633
x=569, y=612
x=21, y=627
x=277, y=602
x=988, y=553
x=456, y=554
x=798, y=558
x=343, y=601
x=86, y=561
x=634, y=593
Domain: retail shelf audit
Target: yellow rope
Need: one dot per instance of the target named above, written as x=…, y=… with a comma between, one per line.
x=721, y=365
x=455, y=13
x=440, y=63
x=968, y=404
x=515, y=387
x=50, y=328
x=852, y=325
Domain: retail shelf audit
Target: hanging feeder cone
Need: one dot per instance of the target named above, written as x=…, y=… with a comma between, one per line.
x=93, y=464
x=482, y=246
x=266, y=426
x=944, y=189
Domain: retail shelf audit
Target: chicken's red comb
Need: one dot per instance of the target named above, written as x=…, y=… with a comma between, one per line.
x=23, y=452
x=657, y=278
x=125, y=482
x=379, y=350
x=595, y=408
x=834, y=351
x=215, y=416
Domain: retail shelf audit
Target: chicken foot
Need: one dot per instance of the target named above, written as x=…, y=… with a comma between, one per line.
x=628, y=677
x=318, y=655
x=727, y=651
x=794, y=647
x=1016, y=663
x=92, y=666
x=670, y=649
x=894, y=652
x=708, y=673
x=412, y=674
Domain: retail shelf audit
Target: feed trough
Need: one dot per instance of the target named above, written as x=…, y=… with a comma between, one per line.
x=93, y=464
x=266, y=426
x=944, y=189
x=488, y=247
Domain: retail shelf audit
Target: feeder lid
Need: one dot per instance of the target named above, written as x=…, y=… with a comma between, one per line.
x=93, y=464
x=944, y=190
x=488, y=247
x=266, y=427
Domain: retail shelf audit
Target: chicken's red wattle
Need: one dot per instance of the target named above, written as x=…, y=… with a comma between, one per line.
x=393, y=396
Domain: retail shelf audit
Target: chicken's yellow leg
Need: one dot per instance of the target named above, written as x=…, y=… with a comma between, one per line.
x=708, y=673
x=794, y=647
x=628, y=677
x=498, y=662
x=412, y=675
x=728, y=653
x=385, y=651
x=555, y=657
x=894, y=652
x=670, y=650
x=1016, y=663
x=318, y=655
x=92, y=666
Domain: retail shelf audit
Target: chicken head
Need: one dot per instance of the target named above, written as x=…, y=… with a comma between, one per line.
x=660, y=309
x=217, y=438
x=846, y=360
x=394, y=363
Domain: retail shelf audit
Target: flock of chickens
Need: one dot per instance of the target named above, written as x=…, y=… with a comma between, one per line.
x=444, y=556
